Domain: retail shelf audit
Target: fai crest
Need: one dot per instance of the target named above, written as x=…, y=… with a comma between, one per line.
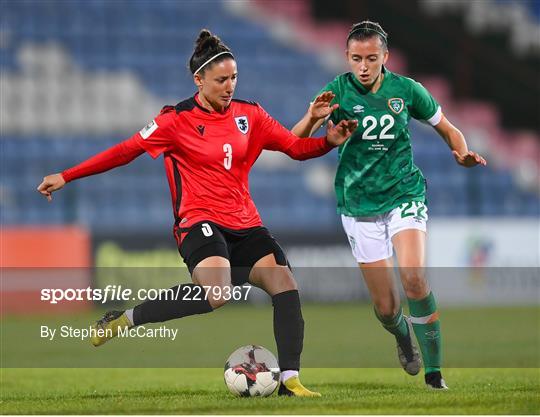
x=396, y=105
x=242, y=124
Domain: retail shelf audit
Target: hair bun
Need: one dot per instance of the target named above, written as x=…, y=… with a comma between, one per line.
x=203, y=34
x=206, y=40
x=207, y=45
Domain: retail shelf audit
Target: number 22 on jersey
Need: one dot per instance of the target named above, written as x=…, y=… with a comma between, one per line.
x=386, y=122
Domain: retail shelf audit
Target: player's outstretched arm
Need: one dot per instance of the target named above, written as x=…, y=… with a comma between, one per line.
x=274, y=137
x=113, y=157
x=318, y=110
x=456, y=142
x=306, y=148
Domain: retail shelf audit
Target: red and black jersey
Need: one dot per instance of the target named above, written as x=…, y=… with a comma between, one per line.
x=208, y=156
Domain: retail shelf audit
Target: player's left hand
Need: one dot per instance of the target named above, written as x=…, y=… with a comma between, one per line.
x=50, y=184
x=470, y=159
x=338, y=134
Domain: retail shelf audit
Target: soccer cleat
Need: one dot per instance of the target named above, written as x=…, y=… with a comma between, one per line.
x=292, y=387
x=408, y=355
x=107, y=327
x=434, y=380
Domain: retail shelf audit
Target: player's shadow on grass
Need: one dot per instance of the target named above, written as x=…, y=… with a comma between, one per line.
x=359, y=386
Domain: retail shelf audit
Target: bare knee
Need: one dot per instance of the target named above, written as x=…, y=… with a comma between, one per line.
x=414, y=283
x=277, y=280
x=284, y=280
x=387, y=308
x=271, y=276
x=214, y=276
x=218, y=295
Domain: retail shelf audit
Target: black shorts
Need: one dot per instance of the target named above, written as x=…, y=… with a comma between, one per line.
x=243, y=248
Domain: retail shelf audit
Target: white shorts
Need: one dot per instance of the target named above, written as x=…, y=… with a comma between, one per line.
x=371, y=237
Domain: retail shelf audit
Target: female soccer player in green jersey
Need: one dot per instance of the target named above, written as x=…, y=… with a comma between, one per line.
x=381, y=194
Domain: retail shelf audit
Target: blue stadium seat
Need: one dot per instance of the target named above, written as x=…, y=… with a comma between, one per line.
x=100, y=36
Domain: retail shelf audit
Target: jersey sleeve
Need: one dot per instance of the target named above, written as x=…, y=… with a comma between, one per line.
x=118, y=155
x=274, y=137
x=157, y=136
x=424, y=106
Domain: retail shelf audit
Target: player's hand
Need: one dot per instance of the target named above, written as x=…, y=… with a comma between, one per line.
x=338, y=134
x=50, y=184
x=470, y=159
x=320, y=107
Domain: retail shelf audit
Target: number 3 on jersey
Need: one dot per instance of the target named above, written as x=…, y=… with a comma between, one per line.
x=227, y=162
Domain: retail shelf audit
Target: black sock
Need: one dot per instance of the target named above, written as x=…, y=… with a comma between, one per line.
x=173, y=306
x=288, y=329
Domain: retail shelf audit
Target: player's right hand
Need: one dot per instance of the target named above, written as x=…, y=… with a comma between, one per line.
x=320, y=107
x=50, y=184
x=338, y=134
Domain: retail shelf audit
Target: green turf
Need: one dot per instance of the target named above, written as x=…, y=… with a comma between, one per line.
x=140, y=376
x=343, y=335
x=202, y=391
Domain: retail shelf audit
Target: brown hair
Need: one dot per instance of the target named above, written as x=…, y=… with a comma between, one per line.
x=367, y=29
x=207, y=45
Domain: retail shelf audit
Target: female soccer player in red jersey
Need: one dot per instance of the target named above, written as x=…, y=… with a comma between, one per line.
x=209, y=143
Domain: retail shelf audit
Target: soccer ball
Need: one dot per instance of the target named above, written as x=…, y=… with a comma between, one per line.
x=252, y=371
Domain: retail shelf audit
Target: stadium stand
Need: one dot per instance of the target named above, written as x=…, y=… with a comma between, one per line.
x=80, y=76
x=518, y=17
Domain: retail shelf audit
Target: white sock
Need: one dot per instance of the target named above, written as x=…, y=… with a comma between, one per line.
x=129, y=315
x=288, y=374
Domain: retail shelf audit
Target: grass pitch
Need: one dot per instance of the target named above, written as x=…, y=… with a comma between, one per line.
x=202, y=391
x=491, y=355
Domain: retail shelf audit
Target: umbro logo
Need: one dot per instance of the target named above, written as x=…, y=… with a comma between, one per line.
x=352, y=241
x=432, y=335
x=358, y=108
x=200, y=128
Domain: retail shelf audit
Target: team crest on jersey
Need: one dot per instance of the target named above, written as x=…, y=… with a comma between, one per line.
x=396, y=105
x=242, y=124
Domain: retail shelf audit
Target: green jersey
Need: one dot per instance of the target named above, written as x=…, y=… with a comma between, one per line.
x=376, y=172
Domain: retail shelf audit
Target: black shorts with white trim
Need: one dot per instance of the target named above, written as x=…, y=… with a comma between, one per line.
x=243, y=248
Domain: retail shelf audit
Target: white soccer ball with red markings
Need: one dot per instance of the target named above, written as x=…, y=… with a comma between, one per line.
x=252, y=371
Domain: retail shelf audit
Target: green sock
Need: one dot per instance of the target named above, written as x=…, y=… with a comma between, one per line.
x=395, y=325
x=427, y=328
